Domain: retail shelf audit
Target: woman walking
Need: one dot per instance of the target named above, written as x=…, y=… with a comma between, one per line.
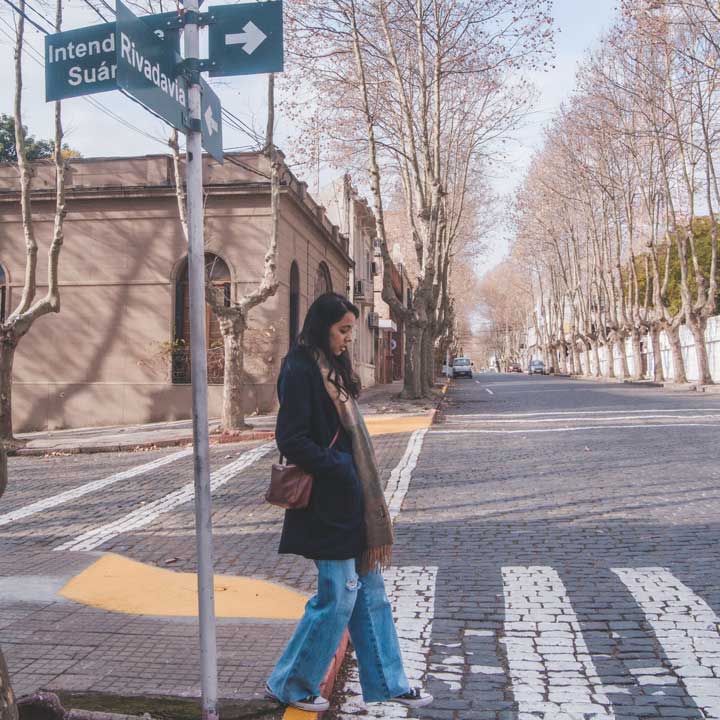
x=346, y=529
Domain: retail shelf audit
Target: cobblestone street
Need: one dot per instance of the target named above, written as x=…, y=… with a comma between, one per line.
x=62, y=513
x=569, y=533
x=556, y=558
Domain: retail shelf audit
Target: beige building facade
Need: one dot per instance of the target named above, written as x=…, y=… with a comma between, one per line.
x=351, y=213
x=117, y=353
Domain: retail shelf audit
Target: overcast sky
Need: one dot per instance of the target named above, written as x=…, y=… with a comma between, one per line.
x=96, y=129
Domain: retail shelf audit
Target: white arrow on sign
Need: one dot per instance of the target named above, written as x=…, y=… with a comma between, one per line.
x=210, y=121
x=251, y=37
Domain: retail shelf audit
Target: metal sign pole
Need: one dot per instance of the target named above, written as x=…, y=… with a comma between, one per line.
x=196, y=255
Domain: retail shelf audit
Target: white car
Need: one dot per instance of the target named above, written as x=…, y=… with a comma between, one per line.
x=462, y=366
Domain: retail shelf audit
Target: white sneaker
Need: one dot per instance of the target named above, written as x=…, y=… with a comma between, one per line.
x=312, y=703
x=414, y=698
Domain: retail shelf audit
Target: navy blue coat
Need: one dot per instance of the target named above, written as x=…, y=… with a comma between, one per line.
x=332, y=526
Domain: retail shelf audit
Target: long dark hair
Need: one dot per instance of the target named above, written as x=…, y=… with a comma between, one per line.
x=328, y=309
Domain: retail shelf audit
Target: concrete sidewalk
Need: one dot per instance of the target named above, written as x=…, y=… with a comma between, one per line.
x=380, y=400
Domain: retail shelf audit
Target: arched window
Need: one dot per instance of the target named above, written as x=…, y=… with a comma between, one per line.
x=3, y=294
x=294, y=301
x=323, y=281
x=219, y=274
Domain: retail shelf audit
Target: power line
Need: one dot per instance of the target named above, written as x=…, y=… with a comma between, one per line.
x=240, y=124
x=108, y=6
x=39, y=14
x=34, y=55
x=247, y=167
x=97, y=10
x=30, y=20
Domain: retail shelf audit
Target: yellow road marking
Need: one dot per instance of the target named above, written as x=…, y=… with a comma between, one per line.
x=118, y=584
x=392, y=425
x=295, y=714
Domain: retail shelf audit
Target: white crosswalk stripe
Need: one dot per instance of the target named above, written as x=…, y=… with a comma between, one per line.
x=551, y=669
x=686, y=627
x=401, y=475
x=144, y=515
x=78, y=492
x=411, y=591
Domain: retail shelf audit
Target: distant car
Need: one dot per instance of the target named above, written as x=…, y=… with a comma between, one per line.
x=514, y=367
x=537, y=367
x=462, y=366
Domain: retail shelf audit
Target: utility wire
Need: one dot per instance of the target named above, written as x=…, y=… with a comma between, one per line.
x=36, y=57
x=96, y=10
x=39, y=14
x=108, y=6
x=238, y=124
x=30, y=20
x=247, y=167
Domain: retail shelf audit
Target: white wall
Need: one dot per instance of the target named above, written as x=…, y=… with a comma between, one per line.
x=712, y=341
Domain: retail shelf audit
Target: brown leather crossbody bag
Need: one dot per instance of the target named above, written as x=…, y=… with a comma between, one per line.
x=290, y=486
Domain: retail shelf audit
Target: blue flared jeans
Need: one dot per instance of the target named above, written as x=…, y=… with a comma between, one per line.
x=343, y=600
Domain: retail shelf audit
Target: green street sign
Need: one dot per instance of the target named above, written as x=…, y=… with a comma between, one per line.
x=211, y=122
x=246, y=39
x=82, y=62
x=148, y=69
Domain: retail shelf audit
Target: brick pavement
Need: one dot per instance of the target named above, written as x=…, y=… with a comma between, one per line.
x=63, y=646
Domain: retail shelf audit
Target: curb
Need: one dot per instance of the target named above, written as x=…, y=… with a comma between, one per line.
x=217, y=439
x=327, y=686
x=437, y=417
x=667, y=386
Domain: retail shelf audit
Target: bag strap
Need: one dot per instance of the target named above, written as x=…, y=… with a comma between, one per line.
x=332, y=442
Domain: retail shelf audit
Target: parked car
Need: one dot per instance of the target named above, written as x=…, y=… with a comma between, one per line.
x=462, y=366
x=537, y=367
x=514, y=367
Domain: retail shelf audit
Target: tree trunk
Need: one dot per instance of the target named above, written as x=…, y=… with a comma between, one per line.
x=620, y=344
x=562, y=365
x=596, y=372
x=673, y=335
x=8, y=344
x=8, y=708
x=428, y=359
x=609, y=355
x=637, y=372
x=412, y=382
x=697, y=328
x=658, y=370
x=576, y=360
x=233, y=413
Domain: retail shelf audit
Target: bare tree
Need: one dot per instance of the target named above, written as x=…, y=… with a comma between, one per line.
x=30, y=308
x=233, y=314
x=422, y=88
x=611, y=204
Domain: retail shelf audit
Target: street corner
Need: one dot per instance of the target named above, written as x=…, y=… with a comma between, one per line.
x=397, y=424
x=118, y=584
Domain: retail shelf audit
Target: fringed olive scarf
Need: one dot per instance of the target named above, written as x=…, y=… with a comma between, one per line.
x=378, y=526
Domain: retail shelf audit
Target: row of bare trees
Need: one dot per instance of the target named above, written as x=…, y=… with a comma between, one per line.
x=417, y=93
x=616, y=223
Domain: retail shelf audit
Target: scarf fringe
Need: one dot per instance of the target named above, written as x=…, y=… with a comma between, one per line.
x=376, y=559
